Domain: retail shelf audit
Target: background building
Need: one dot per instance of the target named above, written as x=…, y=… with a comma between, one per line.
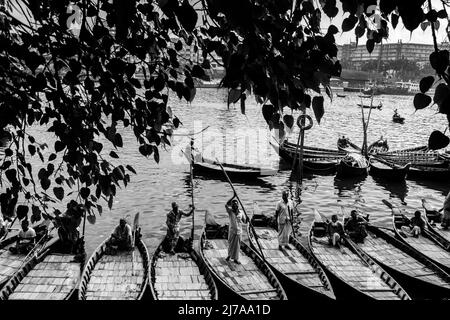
x=353, y=56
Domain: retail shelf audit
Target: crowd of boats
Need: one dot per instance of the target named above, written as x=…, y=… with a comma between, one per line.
x=388, y=264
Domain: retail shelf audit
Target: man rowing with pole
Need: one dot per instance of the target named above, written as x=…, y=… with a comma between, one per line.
x=283, y=214
x=234, y=229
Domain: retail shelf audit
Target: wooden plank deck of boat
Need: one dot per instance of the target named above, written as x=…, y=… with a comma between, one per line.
x=290, y=262
x=114, y=277
x=380, y=250
x=10, y=263
x=52, y=279
x=430, y=249
x=177, y=277
x=352, y=270
x=246, y=278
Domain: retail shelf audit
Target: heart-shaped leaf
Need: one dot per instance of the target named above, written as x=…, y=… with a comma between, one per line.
x=233, y=96
x=288, y=120
x=268, y=111
x=59, y=193
x=438, y=140
x=421, y=101
x=317, y=106
x=91, y=219
x=426, y=83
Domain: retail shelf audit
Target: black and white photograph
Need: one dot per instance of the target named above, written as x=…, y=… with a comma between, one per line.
x=233, y=151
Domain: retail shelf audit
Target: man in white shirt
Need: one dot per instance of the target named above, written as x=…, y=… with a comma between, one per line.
x=283, y=213
x=27, y=237
x=234, y=229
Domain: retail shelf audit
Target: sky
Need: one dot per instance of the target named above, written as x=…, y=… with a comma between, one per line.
x=395, y=35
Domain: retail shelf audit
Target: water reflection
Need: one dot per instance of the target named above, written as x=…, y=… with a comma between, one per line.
x=396, y=189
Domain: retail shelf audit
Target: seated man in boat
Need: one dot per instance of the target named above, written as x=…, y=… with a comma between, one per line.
x=121, y=238
x=416, y=225
x=68, y=224
x=335, y=231
x=283, y=213
x=173, y=226
x=396, y=113
x=26, y=238
x=234, y=229
x=356, y=227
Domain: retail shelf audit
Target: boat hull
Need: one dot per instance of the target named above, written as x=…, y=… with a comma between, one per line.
x=388, y=173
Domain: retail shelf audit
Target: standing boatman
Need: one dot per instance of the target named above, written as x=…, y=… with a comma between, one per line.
x=234, y=229
x=283, y=214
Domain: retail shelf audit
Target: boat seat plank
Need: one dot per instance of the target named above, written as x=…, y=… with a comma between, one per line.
x=351, y=269
x=243, y=277
x=382, y=251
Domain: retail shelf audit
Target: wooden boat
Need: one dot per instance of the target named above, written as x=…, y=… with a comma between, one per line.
x=359, y=274
x=367, y=106
x=308, y=152
x=398, y=119
x=298, y=271
x=206, y=166
x=312, y=163
x=428, y=173
x=182, y=276
x=251, y=280
x=413, y=270
x=117, y=276
x=364, y=96
x=341, y=95
x=10, y=263
x=433, y=224
x=52, y=274
x=386, y=170
x=352, y=165
x=425, y=243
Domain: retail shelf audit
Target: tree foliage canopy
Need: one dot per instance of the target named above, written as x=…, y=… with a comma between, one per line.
x=83, y=87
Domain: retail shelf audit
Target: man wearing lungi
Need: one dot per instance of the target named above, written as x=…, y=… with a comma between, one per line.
x=234, y=229
x=283, y=213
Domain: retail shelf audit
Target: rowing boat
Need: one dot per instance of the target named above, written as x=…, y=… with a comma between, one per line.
x=436, y=228
x=205, y=166
x=386, y=170
x=11, y=262
x=398, y=119
x=361, y=276
x=298, y=271
x=352, y=165
x=366, y=106
x=312, y=162
x=250, y=280
x=182, y=276
x=425, y=243
x=118, y=276
x=428, y=173
x=287, y=151
x=413, y=270
x=52, y=274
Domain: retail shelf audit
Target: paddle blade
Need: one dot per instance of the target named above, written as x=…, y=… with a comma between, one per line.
x=136, y=221
x=209, y=219
x=317, y=216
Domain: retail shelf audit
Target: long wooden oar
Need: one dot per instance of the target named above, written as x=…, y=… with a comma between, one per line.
x=192, y=190
x=133, y=239
x=239, y=200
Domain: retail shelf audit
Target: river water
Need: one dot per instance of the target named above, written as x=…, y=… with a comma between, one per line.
x=239, y=138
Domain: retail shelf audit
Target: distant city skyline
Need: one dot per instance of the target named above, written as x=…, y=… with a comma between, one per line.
x=398, y=34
